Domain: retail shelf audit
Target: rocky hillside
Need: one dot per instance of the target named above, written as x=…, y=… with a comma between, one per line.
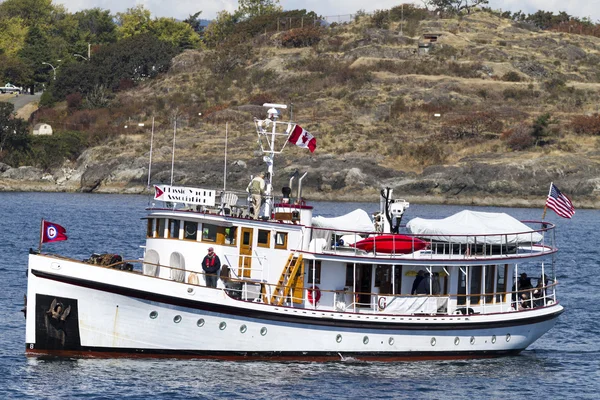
x=473, y=110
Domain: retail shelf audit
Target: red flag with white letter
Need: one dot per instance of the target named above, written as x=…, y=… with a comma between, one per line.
x=53, y=232
x=302, y=138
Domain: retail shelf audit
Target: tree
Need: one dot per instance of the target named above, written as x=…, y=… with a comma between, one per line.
x=179, y=34
x=97, y=26
x=13, y=32
x=13, y=131
x=254, y=8
x=132, y=60
x=36, y=51
x=33, y=12
x=194, y=22
x=220, y=28
x=540, y=128
x=134, y=21
x=454, y=6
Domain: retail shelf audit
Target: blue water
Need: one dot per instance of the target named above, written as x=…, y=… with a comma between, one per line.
x=565, y=363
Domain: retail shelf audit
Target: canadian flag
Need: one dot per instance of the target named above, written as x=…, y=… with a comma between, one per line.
x=302, y=138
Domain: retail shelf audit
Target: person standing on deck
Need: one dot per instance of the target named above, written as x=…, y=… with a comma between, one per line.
x=211, y=265
x=256, y=188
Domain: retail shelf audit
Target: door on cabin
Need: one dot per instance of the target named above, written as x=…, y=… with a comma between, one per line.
x=245, y=263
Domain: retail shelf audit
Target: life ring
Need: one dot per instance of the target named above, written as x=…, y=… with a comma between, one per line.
x=314, y=295
x=382, y=303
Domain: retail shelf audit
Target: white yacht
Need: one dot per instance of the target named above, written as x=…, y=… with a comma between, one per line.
x=296, y=286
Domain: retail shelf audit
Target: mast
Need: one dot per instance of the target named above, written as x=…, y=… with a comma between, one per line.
x=270, y=131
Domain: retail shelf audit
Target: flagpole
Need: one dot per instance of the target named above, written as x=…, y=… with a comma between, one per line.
x=41, y=233
x=150, y=162
x=546, y=204
x=225, y=164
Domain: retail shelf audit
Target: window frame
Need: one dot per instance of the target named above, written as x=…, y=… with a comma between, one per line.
x=268, y=238
x=309, y=268
x=283, y=235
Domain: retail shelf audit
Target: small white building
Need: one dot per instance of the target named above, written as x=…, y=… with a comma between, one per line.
x=42, y=129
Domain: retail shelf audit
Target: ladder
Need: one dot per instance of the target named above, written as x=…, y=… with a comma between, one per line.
x=287, y=279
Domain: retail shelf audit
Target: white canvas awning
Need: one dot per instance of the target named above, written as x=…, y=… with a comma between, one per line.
x=355, y=221
x=475, y=227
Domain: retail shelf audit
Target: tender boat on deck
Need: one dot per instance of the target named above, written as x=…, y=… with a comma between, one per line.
x=298, y=286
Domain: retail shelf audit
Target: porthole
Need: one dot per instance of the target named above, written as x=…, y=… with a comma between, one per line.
x=243, y=328
x=508, y=337
x=222, y=325
x=493, y=339
x=456, y=341
x=432, y=341
x=200, y=322
x=472, y=341
x=153, y=314
x=263, y=331
x=177, y=319
x=391, y=341
x=338, y=338
x=366, y=340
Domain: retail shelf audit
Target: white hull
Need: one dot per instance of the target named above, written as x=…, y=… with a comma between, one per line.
x=111, y=313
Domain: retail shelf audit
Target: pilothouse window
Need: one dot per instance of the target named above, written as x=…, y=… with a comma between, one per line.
x=209, y=233
x=264, y=237
x=174, y=229
x=190, y=230
x=161, y=227
x=230, y=235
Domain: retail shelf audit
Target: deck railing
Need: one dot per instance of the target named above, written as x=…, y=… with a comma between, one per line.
x=247, y=289
x=538, y=240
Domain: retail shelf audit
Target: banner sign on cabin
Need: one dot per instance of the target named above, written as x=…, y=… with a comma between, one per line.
x=186, y=195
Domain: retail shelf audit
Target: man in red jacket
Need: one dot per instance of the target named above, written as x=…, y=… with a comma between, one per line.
x=211, y=265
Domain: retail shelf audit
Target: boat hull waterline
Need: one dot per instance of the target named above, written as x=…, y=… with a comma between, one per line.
x=147, y=325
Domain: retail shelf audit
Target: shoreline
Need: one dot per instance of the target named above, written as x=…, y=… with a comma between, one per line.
x=488, y=200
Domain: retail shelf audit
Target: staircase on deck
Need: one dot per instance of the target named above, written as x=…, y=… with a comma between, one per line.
x=288, y=280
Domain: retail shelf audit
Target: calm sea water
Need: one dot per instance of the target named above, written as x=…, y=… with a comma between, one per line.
x=565, y=363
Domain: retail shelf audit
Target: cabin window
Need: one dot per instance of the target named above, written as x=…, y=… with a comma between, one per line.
x=397, y=279
x=314, y=268
x=174, y=229
x=475, y=287
x=490, y=276
x=151, y=227
x=209, y=233
x=230, y=235
x=190, y=230
x=462, y=288
x=161, y=227
x=281, y=240
x=350, y=275
x=501, y=282
x=383, y=278
x=264, y=237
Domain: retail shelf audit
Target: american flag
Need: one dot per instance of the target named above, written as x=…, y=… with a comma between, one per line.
x=560, y=203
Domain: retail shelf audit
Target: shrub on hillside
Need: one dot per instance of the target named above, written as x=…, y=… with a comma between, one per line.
x=74, y=101
x=586, y=124
x=51, y=151
x=380, y=19
x=472, y=126
x=519, y=137
x=302, y=37
x=511, y=76
x=520, y=94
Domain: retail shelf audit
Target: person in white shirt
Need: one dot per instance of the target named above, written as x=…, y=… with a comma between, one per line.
x=256, y=188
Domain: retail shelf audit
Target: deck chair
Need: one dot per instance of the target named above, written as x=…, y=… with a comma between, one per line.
x=228, y=202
